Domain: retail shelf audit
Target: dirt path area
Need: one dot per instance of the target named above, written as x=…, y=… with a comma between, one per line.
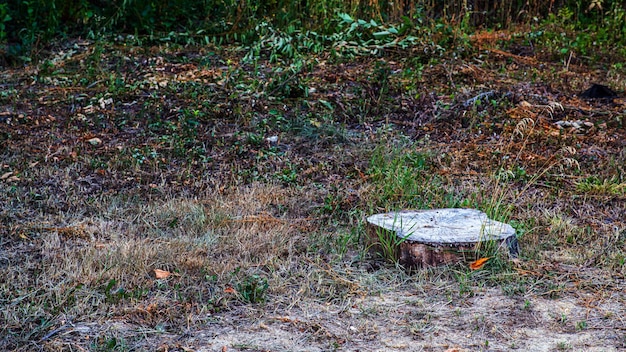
x=405, y=321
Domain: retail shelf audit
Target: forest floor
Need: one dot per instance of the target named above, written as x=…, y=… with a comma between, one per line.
x=166, y=197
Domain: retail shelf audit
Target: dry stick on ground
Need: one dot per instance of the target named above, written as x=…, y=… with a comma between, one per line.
x=267, y=218
x=67, y=231
x=523, y=59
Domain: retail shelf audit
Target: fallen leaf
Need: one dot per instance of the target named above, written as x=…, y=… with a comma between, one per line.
x=315, y=123
x=230, y=290
x=161, y=274
x=95, y=141
x=479, y=263
x=13, y=178
x=287, y=320
x=23, y=236
x=6, y=175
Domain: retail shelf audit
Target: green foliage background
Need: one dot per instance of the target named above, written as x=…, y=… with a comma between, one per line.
x=30, y=24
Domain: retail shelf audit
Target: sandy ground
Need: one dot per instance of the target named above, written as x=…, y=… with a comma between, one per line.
x=406, y=321
x=403, y=321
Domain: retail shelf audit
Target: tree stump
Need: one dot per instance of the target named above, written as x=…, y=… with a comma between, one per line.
x=422, y=238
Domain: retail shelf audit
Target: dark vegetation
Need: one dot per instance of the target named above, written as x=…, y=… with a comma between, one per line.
x=31, y=28
x=168, y=168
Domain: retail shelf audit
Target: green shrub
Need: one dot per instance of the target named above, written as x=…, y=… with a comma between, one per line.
x=4, y=17
x=32, y=24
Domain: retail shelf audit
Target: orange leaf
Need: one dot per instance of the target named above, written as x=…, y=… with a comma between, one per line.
x=479, y=263
x=230, y=290
x=161, y=274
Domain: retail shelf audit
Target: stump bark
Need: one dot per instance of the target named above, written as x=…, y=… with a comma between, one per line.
x=422, y=238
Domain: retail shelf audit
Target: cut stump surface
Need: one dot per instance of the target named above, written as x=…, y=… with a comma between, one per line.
x=419, y=238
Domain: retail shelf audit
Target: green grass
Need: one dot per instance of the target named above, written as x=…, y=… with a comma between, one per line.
x=609, y=187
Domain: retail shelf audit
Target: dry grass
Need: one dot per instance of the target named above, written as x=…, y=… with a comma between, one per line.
x=101, y=269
